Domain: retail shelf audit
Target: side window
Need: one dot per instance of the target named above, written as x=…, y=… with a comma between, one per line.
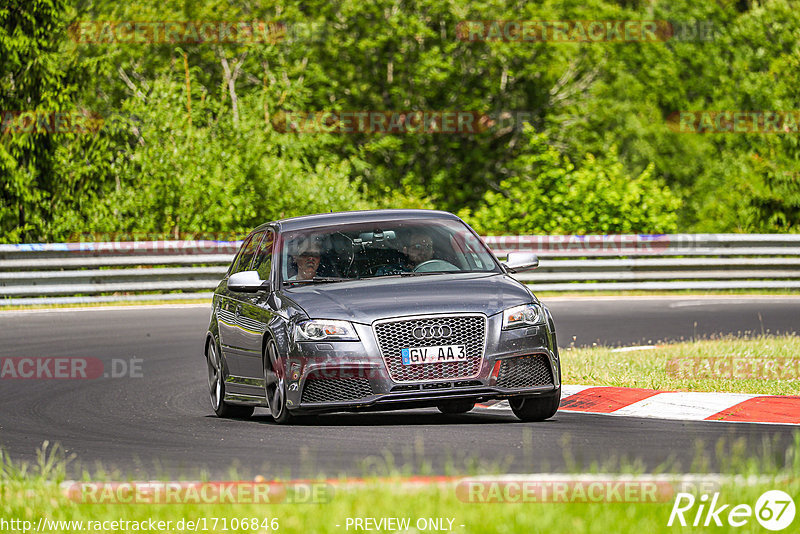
x=263, y=261
x=247, y=253
x=239, y=255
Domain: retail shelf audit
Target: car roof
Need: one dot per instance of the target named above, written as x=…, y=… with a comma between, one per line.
x=347, y=217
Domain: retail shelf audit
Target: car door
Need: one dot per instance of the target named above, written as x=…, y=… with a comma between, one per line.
x=230, y=308
x=256, y=314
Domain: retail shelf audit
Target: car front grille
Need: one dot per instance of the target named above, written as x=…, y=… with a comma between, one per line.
x=467, y=330
x=525, y=371
x=332, y=389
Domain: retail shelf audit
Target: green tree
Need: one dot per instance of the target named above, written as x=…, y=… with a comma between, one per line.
x=198, y=172
x=198, y=116
x=547, y=194
x=38, y=74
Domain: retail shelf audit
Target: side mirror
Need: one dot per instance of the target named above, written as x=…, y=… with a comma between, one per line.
x=521, y=261
x=246, y=281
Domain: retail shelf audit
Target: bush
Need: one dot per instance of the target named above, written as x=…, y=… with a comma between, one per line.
x=546, y=193
x=211, y=175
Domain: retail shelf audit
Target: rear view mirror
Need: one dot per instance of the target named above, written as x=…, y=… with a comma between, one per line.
x=521, y=261
x=246, y=281
x=377, y=236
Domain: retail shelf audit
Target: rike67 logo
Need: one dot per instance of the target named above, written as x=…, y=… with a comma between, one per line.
x=774, y=510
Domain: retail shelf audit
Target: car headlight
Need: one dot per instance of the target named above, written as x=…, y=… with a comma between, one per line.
x=525, y=315
x=323, y=329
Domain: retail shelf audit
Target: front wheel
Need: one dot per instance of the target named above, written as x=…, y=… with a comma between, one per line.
x=530, y=409
x=275, y=385
x=216, y=388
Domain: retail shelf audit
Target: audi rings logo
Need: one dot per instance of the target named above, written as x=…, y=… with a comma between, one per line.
x=436, y=331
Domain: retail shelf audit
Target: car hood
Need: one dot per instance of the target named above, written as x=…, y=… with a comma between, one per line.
x=364, y=301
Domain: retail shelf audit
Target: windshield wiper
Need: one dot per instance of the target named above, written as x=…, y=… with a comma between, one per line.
x=424, y=273
x=317, y=280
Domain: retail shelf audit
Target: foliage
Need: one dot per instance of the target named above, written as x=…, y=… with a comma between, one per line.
x=205, y=174
x=190, y=139
x=38, y=75
x=550, y=195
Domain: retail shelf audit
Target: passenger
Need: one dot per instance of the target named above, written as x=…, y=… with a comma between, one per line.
x=307, y=260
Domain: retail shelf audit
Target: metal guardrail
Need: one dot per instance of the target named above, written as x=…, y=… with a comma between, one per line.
x=111, y=271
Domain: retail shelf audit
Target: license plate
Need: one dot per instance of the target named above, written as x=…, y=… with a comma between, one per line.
x=440, y=354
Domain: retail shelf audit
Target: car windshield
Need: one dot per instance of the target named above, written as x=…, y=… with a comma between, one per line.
x=378, y=249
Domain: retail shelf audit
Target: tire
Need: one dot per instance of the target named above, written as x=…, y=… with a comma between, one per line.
x=456, y=407
x=216, y=388
x=275, y=386
x=531, y=409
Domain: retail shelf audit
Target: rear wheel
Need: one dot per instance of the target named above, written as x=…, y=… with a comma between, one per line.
x=456, y=407
x=216, y=388
x=275, y=385
x=535, y=408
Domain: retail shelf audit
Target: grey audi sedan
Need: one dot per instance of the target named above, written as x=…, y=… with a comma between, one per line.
x=377, y=310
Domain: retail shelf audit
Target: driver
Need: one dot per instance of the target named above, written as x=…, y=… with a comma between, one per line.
x=307, y=260
x=418, y=250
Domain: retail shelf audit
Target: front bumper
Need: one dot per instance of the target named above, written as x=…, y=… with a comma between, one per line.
x=353, y=376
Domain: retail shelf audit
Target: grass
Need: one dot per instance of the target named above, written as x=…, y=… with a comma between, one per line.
x=761, y=364
x=30, y=492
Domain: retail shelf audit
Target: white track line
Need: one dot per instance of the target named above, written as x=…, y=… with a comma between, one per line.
x=686, y=406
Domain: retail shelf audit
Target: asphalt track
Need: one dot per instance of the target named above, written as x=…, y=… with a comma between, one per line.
x=160, y=424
